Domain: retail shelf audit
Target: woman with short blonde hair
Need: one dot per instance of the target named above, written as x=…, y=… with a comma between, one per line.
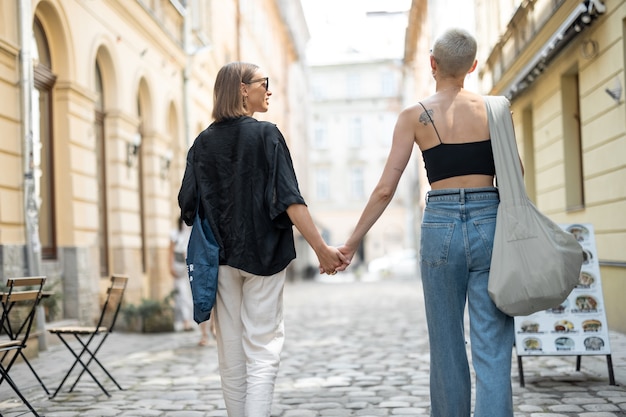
x=451, y=129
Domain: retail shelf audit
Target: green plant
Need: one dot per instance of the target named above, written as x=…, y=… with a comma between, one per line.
x=51, y=301
x=154, y=315
x=129, y=312
x=150, y=308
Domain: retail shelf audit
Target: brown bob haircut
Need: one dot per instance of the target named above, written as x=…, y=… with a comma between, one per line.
x=227, y=99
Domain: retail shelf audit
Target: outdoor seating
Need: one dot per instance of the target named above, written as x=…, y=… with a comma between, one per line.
x=18, y=314
x=91, y=338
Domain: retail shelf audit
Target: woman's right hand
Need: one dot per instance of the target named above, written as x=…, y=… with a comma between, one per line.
x=331, y=260
x=347, y=252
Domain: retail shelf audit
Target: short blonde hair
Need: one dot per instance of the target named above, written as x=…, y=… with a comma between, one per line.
x=455, y=52
x=227, y=98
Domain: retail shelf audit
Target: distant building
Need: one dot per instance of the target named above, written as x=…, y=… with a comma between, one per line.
x=357, y=89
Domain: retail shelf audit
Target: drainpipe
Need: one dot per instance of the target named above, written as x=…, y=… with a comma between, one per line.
x=186, y=73
x=31, y=206
x=238, y=29
x=191, y=50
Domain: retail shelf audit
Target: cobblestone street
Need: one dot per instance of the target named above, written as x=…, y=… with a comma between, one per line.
x=352, y=349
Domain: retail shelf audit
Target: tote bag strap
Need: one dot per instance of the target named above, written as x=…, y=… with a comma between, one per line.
x=505, y=155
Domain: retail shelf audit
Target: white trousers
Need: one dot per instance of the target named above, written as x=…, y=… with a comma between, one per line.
x=183, y=300
x=250, y=331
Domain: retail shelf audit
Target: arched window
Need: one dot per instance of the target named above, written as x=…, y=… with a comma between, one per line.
x=142, y=193
x=103, y=235
x=43, y=141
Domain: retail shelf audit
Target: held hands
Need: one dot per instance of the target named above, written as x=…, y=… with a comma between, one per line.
x=347, y=252
x=343, y=255
x=331, y=260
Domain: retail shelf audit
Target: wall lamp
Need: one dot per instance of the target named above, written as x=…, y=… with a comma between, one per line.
x=615, y=92
x=166, y=161
x=132, y=150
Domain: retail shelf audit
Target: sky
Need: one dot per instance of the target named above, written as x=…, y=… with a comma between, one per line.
x=325, y=15
x=339, y=25
x=332, y=20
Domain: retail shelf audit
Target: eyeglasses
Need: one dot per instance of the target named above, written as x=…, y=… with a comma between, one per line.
x=266, y=84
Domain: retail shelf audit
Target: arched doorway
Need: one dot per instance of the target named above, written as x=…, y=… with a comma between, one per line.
x=43, y=150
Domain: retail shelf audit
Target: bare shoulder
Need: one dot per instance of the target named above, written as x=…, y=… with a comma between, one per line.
x=471, y=114
x=418, y=119
x=476, y=101
x=420, y=112
x=468, y=104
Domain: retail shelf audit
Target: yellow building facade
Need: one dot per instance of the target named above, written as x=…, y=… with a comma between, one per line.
x=100, y=102
x=561, y=63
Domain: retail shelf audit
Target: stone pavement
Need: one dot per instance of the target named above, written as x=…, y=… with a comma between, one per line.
x=352, y=349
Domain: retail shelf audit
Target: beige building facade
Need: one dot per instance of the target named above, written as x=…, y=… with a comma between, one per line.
x=100, y=102
x=561, y=63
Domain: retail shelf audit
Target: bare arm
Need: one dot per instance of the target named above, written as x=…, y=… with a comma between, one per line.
x=401, y=148
x=330, y=258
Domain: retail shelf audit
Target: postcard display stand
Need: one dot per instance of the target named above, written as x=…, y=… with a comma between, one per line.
x=577, y=326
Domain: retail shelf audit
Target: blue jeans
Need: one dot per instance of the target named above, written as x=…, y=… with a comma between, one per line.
x=456, y=245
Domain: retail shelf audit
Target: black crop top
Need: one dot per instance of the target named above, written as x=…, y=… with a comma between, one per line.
x=448, y=160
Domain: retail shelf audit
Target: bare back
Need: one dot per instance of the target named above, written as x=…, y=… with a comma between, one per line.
x=452, y=118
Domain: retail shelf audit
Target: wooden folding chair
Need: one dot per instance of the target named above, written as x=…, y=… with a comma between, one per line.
x=88, y=336
x=15, y=328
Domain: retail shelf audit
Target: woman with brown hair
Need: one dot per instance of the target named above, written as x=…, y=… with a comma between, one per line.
x=242, y=170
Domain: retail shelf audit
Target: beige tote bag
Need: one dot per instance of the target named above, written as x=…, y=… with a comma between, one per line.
x=535, y=264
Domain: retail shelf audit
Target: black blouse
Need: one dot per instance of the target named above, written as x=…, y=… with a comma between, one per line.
x=244, y=173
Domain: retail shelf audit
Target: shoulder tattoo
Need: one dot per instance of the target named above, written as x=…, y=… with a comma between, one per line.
x=426, y=117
